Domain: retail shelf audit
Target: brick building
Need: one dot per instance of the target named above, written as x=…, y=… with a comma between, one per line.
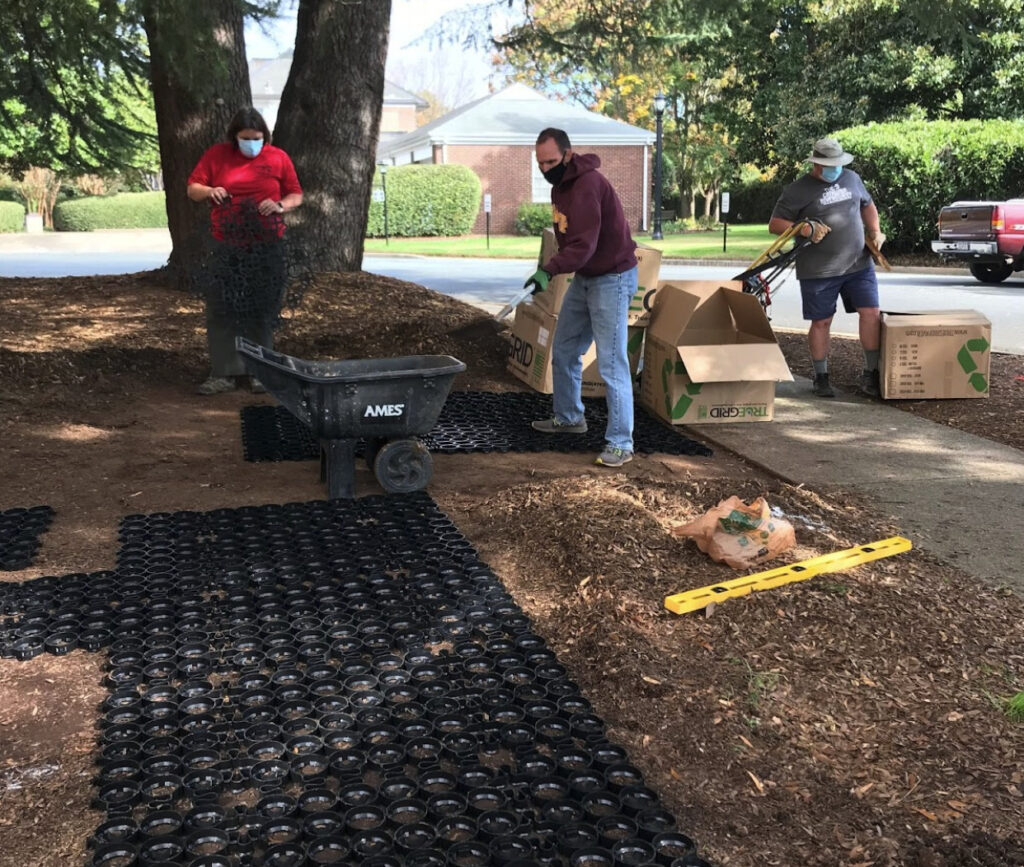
x=495, y=137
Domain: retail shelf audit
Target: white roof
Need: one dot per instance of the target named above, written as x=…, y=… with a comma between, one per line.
x=514, y=116
x=267, y=76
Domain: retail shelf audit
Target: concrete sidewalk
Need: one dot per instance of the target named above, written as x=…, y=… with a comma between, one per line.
x=101, y=241
x=955, y=495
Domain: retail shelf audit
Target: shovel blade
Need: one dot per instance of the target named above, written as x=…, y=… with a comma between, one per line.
x=514, y=303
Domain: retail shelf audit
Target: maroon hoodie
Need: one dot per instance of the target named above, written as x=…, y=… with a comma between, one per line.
x=590, y=227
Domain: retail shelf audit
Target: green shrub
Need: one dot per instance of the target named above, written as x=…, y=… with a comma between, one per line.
x=426, y=200
x=914, y=168
x=689, y=224
x=753, y=200
x=123, y=211
x=12, y=217
x=532, y=218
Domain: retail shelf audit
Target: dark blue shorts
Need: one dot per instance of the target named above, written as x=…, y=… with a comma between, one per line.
x=859, y=289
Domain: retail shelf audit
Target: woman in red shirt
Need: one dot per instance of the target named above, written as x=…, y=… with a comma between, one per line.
x=249, y=184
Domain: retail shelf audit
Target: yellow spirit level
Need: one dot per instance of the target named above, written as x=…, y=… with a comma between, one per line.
x=695, y=600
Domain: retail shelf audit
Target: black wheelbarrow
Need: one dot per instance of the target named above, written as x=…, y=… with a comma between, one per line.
x=389, y=402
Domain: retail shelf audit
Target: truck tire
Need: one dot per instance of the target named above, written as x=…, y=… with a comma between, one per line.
x=991, y=273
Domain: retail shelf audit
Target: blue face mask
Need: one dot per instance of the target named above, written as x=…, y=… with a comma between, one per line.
x=250, y=147
x=831, y=173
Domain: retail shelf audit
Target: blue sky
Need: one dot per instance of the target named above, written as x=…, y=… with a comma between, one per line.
x=465, y=74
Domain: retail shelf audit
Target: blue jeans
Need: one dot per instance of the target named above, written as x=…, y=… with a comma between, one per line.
x=595, y=309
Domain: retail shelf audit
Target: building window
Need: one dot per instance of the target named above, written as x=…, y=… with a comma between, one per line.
x=540, y=189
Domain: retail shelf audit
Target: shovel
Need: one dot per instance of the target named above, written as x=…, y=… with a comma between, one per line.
x=485, y=327
x=514, y=303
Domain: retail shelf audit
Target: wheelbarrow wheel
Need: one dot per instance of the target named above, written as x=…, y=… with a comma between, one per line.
x=403, y=466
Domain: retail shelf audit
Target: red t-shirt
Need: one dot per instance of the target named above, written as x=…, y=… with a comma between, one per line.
x=270, y=175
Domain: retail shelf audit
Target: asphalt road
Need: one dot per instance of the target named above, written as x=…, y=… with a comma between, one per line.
x=490, y=283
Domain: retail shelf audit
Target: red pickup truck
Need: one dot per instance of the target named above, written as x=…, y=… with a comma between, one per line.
x=988, y=236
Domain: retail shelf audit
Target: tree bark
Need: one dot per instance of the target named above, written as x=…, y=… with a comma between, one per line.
x=195, y=96
x=329, y=121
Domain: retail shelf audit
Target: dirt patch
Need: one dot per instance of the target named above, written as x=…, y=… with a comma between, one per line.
x=852, y=719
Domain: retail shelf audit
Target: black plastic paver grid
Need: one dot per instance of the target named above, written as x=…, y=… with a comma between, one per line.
x=335, y=682
x=471, y=421
x=20, y=530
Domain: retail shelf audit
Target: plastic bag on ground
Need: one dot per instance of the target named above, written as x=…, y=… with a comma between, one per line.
x=740, y=534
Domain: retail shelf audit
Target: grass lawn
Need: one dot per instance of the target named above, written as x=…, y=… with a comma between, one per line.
x=744, y=243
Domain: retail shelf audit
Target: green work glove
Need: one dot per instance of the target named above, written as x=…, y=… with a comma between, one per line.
x=539, y=280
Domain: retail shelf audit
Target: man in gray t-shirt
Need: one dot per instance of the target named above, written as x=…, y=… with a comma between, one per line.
x=836, y=263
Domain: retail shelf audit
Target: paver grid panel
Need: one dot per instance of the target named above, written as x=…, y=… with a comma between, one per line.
x=20, y=530
x=471, y=421
x=335, y=682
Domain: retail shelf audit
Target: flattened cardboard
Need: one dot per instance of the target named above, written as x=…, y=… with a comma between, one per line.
x=935, y=354
x=710, y=356
x=648, y=266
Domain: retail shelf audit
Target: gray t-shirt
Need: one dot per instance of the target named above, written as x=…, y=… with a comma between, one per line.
x=842, y=250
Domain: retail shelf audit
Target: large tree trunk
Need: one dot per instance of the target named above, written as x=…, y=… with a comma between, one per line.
x=328, y=123
x=200, y=78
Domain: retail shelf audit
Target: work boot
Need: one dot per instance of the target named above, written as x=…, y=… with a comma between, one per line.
x=553, y=425
x=871, y=383
x=216, y=385
x=613, y=457
x=822, y=387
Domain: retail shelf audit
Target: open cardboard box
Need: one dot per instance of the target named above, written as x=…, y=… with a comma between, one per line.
x=710, y=355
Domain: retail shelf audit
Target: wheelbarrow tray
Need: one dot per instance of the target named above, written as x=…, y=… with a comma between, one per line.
x=374, y=397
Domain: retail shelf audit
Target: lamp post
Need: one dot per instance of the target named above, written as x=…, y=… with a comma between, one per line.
x=384, y=187
x=659, y=110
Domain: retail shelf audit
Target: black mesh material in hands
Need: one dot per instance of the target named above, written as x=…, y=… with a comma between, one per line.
x=246, y=267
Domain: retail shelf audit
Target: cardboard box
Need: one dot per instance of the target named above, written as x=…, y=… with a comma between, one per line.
x=935, y=354
x=648, y=267
x=529, y=354
x=550, y=300
x=710, y=356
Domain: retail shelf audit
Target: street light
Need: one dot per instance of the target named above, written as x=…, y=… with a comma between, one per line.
x=659, y=110
x=384, y=186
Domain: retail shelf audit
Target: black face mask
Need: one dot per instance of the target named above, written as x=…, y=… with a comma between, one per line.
x=555, y=174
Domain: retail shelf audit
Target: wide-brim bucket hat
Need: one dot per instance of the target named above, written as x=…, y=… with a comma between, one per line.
x=828, y=152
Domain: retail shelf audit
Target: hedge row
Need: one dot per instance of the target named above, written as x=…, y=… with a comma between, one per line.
x=532, y=218
x=123, y=211
x=753, y=201
x=912, y=169
x=426, y=200
x=12, y=217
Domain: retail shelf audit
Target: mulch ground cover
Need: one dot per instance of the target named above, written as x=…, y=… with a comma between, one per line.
x=854, y=719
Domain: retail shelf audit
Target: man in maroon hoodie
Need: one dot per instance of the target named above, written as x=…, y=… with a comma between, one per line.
x=594, y=242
